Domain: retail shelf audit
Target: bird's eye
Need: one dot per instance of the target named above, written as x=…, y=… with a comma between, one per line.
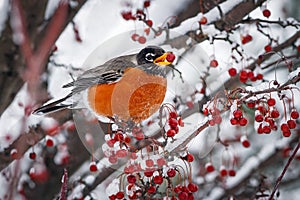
x=150, y=57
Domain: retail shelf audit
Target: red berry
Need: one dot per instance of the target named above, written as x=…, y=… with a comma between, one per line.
x=140, y=136
x=119, y=137
x=170, y=57
x=250, y=74
x=121, y=153
x=203, y=20
x=259, y=76
x=214, y=63
x=286, y=133
x=142, y=40
x=49, y=142
x=298, y=48
x=223, y=172
x=149, y=163
x=158, y=179
x=111, y=142
x=245, y=142
x=148, y=172
x=32, y=155
x=127, y=15
x=173, y=122
x=131, y=179
x=251, y=104
x=209, y=167
x=284, y=127
x=146, y=4
x=113, y=159
x=260, y=129
x=259, y=118
x=244, y=74
x=271, y=102
x=161, y=162
x=291, y=123
x=266, y=13
x=189, y=157
x=149, y=23
x=182, y=195
x=205, y=111
x=151, y=189
x=120, y=195
x=275, y=114
x=192, y=187
x=267, y=129
x=243, y=121
x=247, y=38
x=93, y=167
x=268, y=48
x=171, y=133
x=231, y=172
x=237, y=114
x=234, y=121
x=294, y=114
x=217, y=119
x=171, y=172
x=232, y=71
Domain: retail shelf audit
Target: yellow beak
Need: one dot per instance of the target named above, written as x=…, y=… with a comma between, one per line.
x=161, y=60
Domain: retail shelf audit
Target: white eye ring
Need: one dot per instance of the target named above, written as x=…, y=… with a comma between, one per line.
x=149, y=57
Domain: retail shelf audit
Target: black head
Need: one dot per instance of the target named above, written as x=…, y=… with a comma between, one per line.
x=149, y=54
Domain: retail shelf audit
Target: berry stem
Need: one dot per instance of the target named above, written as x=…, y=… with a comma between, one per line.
x=278, y=181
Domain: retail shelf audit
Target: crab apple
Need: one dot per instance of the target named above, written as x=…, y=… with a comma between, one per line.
x=151, y=189
x=232, y=72
x=49, y=142
x=214, y=63
x=183, y=195
x=245, y=142
x=291, y=123
x=149, y=22
x=171, y=133
x=158, y=179
x=267, y=129
x=193, y=187
x=259, y=76
x=161, y=162
x=142, y=40
x=209, y=167
x=170, y=57
x=32, y=155
x=135, y=37
x=266, y=13
x=149, y=163
x=93, y=167
x=271, y=102
x=203, y=20
x=234, y=121
x=120, y=195
x=260, y=129
x=237, y=114
x=275, y=113
x=251, y=104
x=223, y=171
x=286, y=133
x=131, y=179
x=268, y=48
x=189, y=157
x=171, y=172
x=294, y=114
x=246, y=38
x=127, y=15
x=284, y=127
x=231, y=172
x=243, y=121
x=259, y=118
x=146, y=4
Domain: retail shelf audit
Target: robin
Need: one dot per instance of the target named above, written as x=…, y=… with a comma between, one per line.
x=126, y=87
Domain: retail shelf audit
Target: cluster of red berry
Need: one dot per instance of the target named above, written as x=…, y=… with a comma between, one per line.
x=246, y=75
x=238, y=118
x=215, y=114
x=146, y=181
x=174, y=122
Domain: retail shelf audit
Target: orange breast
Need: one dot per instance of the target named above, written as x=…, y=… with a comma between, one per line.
x=136, y=96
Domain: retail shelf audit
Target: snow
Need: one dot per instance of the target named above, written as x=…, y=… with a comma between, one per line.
x=4, y=6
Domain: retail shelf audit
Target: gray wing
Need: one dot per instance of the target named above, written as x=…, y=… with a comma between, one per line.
x=109, y=72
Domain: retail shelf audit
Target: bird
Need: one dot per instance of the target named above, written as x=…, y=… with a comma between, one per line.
x=129, y=88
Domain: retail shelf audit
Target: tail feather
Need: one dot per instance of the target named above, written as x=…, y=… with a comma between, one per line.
x=52, y=107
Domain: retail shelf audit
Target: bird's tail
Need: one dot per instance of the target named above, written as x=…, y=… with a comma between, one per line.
x=53, y=107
